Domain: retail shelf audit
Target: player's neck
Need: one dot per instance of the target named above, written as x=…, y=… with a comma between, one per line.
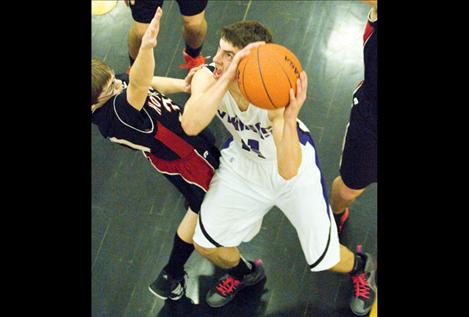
x=241, y=102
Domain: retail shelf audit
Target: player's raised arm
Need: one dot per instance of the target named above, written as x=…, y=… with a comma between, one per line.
x=207, y=93
x=141, y=73
x=285, y=133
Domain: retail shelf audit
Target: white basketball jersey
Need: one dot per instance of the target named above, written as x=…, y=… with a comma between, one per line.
x=251, y=129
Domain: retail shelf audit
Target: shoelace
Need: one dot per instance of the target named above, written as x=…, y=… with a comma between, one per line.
x=227, y=286
x=360, y=285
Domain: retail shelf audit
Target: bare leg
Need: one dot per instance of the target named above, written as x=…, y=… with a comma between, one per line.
x=342, y=196
x=347, y=259
x=194, y=30
x=222, y=257
x=134, y=38
x=187, y=226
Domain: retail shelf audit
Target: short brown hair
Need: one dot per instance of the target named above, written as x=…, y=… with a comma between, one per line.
x=101, y=74
x=242, y=33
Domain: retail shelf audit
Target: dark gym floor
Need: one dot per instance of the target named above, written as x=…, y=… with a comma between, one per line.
x=135, y=211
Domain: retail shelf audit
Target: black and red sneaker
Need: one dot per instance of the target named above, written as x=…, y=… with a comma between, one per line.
x=191, y=62
x=228, y=286
x=364, y=286
x=340, y=220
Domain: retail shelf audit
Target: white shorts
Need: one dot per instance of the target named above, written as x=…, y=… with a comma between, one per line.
x=244, y=189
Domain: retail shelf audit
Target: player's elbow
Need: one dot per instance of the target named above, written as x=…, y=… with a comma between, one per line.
x=189, y=126
x=288, y=173
x=289, y=168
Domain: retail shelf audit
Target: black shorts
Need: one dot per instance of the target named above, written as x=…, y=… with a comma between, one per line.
x=359, y=162
x=144, y=10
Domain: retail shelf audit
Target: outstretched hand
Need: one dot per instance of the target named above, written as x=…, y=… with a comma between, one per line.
x=231, y=72
x=296, y=102
x=149, y=38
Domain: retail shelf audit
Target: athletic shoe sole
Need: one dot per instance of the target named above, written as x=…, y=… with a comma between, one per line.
x=163, y=297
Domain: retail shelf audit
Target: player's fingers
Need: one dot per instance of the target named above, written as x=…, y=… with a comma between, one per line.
x=254, y=44
x=304, y=79
x=302, y=86
x=196, y=69
x=247, y=49
x=292, y=97
x=158, y=14
x=299, y=87
x=240, y=55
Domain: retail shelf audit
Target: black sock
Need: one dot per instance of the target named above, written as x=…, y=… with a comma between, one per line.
x=358, y=264
x=337, y=218
x=179, y=255
x=194, y=52
x=131, y=60
x=243, y=268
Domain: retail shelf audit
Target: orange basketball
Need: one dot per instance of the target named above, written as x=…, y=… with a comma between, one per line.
x=266, y=75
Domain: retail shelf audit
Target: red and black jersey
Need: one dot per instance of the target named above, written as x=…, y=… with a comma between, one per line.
x=156, y=129
x=367, y=92
x=369, y=88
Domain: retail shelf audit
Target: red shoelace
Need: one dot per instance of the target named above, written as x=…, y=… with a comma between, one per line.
x=361, y=286
x=227, y=286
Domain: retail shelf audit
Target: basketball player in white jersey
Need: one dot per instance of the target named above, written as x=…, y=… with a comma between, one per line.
x=270, y=161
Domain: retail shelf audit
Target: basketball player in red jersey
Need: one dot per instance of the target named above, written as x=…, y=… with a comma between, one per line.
x=134, y=111
x=270, y=160
x=359, y=161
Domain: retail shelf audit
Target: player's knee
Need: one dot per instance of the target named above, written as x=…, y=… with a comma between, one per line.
x=138, y=29
x=204, y=251
x=193, y=24
x=348, y=193
x=230, y=257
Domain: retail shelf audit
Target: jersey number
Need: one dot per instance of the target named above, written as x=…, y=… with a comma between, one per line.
x=252, y=145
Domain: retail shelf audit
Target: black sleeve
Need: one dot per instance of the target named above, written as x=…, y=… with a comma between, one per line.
x=211, y=67
x=130, y=116
x=124, y=77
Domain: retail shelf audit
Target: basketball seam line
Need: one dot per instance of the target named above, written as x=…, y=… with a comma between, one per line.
x=244, y=85
x=286, y=75
x=262, y=78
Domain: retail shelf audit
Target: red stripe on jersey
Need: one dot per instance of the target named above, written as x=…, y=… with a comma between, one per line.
x=368, y=31
x=192, y=168
x=173, y=141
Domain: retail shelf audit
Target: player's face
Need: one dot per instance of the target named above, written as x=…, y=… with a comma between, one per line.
x=113, y=87
x=225, y=53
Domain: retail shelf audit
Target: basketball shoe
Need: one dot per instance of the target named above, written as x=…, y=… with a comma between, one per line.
x=340, y=220
x=364, y=286
x=167, y=287
x=191, y=62
x=228, y=286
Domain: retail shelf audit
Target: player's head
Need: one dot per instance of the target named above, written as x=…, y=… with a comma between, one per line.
x=236, y=36
x=242, y=33
x=373, y=3
x=104, y=84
